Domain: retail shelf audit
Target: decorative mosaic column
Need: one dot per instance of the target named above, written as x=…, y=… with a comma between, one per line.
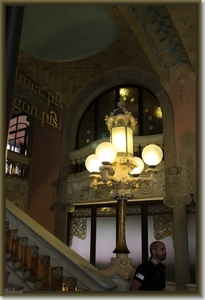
x=178, y=203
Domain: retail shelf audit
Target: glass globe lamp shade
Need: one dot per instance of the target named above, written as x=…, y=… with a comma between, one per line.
x=106, y=152
x=152, y=155
x=140, y=166
x=92, y=164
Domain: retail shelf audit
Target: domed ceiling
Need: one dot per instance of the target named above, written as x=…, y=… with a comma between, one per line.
x=161, y=40
x=66, y=32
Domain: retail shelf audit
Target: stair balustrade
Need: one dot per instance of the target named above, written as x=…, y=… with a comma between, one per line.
x=37, y=260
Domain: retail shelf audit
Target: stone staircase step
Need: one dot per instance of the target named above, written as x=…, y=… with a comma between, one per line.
x=13, y=263
x=23, y=272
x=34, y=282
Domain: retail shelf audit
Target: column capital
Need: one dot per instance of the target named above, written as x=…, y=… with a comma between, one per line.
x=177, y=200
x=62, y=207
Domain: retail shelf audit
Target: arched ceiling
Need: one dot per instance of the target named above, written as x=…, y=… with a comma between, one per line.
x=66, y=32
x=160, y=38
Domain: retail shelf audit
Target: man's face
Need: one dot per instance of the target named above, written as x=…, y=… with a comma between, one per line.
x=161, y=252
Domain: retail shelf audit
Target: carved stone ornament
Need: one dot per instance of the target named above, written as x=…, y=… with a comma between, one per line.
x=175, y=170
x=17, y=192
x=163, y=226
x=78, y=229
x=121, y=266
x=120, y=117
x=114, y=182
x=177, y=200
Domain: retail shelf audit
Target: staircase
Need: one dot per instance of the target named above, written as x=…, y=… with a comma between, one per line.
x=37, y=261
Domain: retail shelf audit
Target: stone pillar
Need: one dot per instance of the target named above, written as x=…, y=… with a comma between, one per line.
x=61, y=219
x=14, y=21
x=178, y=202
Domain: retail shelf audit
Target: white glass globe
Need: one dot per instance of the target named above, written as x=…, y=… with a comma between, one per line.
x=139, y=168
x=92, y=164
x=106, y=152
x=152, y=155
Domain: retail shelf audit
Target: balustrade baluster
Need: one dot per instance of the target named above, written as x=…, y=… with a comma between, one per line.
x=34, y=261
x=24, y=245
x=14, y=251
x=46, y=264
x=7, y=237
x=58, y=273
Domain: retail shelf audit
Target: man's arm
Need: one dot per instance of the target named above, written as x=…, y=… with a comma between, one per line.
x=135, y=285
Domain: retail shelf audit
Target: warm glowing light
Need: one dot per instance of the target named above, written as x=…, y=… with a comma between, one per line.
x=106, y=152
x=140, y=166
x=124, y=92
x=92, y=163
x=158, y=112
x=122, y=139
x=152, y=155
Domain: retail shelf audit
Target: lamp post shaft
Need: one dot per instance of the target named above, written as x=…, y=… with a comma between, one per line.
x=121, y=238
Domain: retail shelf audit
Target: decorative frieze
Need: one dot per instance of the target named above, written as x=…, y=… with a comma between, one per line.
x=79, y=191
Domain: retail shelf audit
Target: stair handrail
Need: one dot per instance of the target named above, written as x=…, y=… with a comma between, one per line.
x=88, y=276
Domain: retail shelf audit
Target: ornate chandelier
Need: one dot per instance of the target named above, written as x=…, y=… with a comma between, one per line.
x=114, y=165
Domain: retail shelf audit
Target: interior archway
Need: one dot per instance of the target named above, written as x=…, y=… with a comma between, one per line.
x=101, y=84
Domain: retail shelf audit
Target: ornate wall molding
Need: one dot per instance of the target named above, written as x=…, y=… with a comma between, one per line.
x=80, y=192
x=17, y=192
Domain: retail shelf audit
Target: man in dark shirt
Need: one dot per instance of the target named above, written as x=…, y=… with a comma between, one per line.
x=150, y=275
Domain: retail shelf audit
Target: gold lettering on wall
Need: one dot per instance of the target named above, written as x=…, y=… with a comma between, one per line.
x=49, y=117
x=53, y=101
